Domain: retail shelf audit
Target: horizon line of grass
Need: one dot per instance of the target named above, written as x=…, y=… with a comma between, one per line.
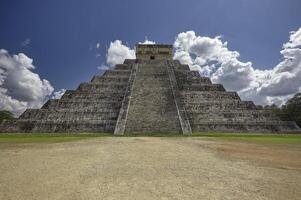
x=194, y=134
x=64, y=137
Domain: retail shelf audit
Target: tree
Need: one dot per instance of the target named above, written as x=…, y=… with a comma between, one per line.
x=6, y=115
x=291, y=111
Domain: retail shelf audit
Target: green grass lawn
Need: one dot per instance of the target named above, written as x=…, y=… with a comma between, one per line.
x=28, y=138
x=255, y=137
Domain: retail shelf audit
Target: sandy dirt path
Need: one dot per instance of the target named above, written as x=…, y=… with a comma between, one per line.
x=150, y=168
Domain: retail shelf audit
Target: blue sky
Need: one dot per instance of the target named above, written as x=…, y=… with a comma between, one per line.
x=61, y=36
x=61, y=32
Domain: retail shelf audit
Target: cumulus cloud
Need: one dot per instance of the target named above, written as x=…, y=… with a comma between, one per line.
x=20, y=87
x=212, y=58
x=295, y=40
x=58, y=94
x=285, y=78
x=117, y=52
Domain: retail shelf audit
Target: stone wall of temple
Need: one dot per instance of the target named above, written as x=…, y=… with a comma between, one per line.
x=153, y=52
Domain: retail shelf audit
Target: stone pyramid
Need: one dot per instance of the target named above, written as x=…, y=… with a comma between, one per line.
x=150, y=94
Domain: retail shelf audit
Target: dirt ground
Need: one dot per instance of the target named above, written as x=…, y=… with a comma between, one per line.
x=150, y=168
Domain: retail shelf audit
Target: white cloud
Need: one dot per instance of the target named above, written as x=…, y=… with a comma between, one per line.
x=295, y=40
x=117, y=52
x=146, y=41
x=58, y=94
x=285, y=78
x=20, y=87
x=212, y=58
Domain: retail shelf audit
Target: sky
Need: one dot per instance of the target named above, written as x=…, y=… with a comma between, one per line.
x=50, y=46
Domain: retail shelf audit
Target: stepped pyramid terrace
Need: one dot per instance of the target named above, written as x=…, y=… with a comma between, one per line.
x=150, y=94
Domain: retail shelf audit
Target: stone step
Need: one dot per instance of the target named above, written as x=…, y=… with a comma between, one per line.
x=185, y=73
x=188, y=78
x=152, y=107
x=209, y=95
x=76, y=94
x=87, y=87
x=271, y=122
x=82, y=107
x=182, y=67
x=157, y=121
x=109, y=93
x=200, y=80
x=216, y=106
x=202, y=87
x=251, y=127
x=123, y=67
x=113, y=76
x=73, y=104
x=88, y=101
x=156, y=83
x=153, y=129
x=226, y=120
x=231, y=115
x=39, y=114
x=106, y=80
x=77, y=111
x=55, y=126
x=116, y=72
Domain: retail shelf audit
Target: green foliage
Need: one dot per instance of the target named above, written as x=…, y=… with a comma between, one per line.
x=252, y=137
x=61, y=137
x=291, y=111
x=47, y=137
x=5, y=115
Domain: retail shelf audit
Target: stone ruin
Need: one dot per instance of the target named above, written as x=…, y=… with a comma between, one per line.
x=150, y=94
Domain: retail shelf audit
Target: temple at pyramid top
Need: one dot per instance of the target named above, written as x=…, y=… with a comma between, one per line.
x=153, y=51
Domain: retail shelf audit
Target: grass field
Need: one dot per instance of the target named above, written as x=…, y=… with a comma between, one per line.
x=7, y=138
x=253, y=137
x=28, y=138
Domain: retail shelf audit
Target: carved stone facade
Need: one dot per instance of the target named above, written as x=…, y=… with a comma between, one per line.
x=153, y=52
x=150, y=94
